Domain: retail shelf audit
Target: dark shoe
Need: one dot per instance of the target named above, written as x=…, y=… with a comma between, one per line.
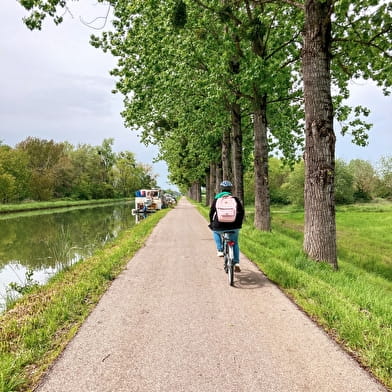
x=237, y=268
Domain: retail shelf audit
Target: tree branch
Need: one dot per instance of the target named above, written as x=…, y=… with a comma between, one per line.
x=293, y=60
x=294, y=3
x=231, y=16
x=282, y=46
x=205, y=6
x=290, y=2
x=365, y=43
x=387, y=30
x=293, y=97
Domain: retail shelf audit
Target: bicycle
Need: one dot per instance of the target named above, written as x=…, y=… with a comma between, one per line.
x=228, y=255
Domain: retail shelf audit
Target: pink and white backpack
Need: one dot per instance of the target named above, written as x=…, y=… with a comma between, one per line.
x=226, y=209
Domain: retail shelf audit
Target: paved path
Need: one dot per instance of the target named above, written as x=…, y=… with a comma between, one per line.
x=171, y=323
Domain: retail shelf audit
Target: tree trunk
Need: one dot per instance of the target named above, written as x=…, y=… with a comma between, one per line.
x=236, y=148
x=218, y=177
x=211, y=184
x=195, y=192
x=208, y=186
x=320, y=226
x=226, y=157
x=262, y=219
x=198, y=192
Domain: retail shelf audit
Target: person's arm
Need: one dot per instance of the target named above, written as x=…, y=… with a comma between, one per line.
x=240, y=209
x=212, y=210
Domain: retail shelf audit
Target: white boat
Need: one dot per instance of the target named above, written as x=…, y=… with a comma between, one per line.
x=148, y=200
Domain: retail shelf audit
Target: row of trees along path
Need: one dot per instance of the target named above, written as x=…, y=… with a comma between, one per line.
x=218, y=85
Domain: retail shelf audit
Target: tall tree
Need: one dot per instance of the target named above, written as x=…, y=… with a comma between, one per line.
x=356, y=38
x=14, y=168
x=44, y=162
x=344, y=191
x=320, y=227
x=364, y=179
x=385, y=173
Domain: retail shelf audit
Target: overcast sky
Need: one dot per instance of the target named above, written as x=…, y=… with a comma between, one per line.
x=55, y=85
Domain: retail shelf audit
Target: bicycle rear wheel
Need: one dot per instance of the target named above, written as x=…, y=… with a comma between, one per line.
x=230, y=275
x=225, y=263
x=225, y=254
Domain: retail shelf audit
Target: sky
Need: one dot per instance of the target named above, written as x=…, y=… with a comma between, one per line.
x=55, y=85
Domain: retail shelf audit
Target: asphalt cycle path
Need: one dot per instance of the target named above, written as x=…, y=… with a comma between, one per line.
x=171, y=323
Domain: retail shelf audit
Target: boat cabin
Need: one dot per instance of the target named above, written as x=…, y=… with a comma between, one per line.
x=148, y=200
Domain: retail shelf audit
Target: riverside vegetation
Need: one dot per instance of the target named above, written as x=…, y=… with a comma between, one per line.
x=39, y=325
x=352, y=304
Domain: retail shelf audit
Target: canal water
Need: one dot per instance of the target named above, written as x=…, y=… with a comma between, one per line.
x=41, y=243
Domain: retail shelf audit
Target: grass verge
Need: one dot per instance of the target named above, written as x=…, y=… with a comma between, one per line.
x=35, y=331
x=352, y=304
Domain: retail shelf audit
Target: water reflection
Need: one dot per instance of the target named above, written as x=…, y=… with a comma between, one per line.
x=47, y=243
x=139, y=216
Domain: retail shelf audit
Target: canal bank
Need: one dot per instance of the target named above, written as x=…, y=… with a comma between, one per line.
x=40, y=324
x=35, y=245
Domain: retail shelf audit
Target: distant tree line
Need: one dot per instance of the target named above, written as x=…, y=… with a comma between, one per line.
x=356, y=181
x=41, y=170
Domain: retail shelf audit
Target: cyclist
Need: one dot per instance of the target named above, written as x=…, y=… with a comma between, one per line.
x=217, y=227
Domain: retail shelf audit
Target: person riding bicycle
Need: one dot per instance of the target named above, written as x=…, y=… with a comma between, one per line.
x=218, y=227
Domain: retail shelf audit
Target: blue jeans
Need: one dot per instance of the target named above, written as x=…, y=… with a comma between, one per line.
x=233, y=237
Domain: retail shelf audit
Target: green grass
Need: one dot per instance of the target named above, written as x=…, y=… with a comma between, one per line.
x=39, y=325
x=353, y=304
